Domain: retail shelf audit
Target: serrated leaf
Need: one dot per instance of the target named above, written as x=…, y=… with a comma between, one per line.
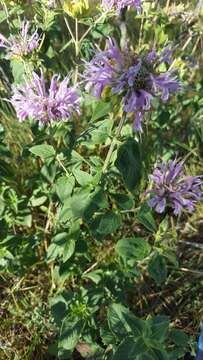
x=159, y=327
x=100, y=109
x=105, y=224
x=157, y=269
x=101, y=132
x=70, y=334
x=45, y=151
x=123, y=201
x=109, y=223
x=146, y=218
x=122, y=322
x=133, y=248
x=130, y=349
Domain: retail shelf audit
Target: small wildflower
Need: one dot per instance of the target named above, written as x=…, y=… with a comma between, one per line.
x=51, y=4
x=34, y=100
x=121, y=4
x=22, y=44
x=172, y=188
x=136, y=79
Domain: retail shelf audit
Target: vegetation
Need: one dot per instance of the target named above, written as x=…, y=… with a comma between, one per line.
x=88, y=268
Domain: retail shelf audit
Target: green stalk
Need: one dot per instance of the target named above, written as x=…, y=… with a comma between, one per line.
x=113, y=144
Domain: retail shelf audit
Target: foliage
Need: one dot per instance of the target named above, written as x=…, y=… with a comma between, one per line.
x=88, y=269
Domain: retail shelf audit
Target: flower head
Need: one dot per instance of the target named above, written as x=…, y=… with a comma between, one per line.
x=22, y=44
x=51, y=4
x=172, y=188
x=35, y=100
x=136, y=79
x=121, y=4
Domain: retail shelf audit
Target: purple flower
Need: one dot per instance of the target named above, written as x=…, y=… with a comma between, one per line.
x=121, y=4
x=34, y=100
x=172, y=188
x=135, y=79
x=22, y=44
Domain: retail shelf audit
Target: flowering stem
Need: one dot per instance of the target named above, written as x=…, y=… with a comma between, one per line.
x=123, y=29
x=92, y=26
x=69, y=29
x=77, y=49
x=112, y=146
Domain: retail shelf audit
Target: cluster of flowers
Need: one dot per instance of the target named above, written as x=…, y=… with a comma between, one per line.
x=34, y=100
x=22, y=44
x=134, y=80
x=172, y=188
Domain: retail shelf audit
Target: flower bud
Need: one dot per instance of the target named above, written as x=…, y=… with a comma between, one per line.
x=80, y=8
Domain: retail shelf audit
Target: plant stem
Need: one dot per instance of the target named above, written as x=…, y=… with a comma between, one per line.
x=112, y=146
x=62, y=166
x=69, y=29
x=77, y=50
x=123, y=29
x=91, y=27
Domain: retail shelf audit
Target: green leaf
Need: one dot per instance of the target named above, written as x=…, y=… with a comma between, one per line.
x=95, y=276
x=83, y=178
x=179, y=338
x=157, y=269
x=80, y=201
x=64, y=187
x=2, y=205
x=17, y=68
x=100, y=109
x=129, y=163
x=53, y=252
x=101, y=131
x=68, y=249
x=146, y=356
x=3, y=16
x=107, y=336
x=133, y=248
x=48, y=171
x=70, y=334
x=65, y=213
x=60, y=238
x=146, y=218
x=45, y=152
x=109, y=223
x=159, y=327
x=130, y=348
x=122, y=322
x=38, y=201
x=123, y=201
x=159, y=353
x=25, y=219
x=84, y=203
x=105, y=224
